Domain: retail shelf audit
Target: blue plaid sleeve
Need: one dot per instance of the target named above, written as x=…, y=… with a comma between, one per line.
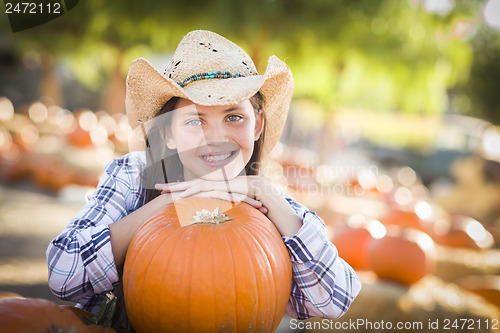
x=323, y=284
x=80, y=260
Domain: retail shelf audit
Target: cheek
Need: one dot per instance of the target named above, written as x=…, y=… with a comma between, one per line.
x=244, y=138
x=187, y=140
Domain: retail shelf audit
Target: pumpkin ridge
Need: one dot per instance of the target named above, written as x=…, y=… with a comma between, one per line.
x=213, y=275
x=261, y=232
x=264, y=247
x=152, y=224
x=250, y=266
x=139, y=237
x=180, y=234
x=189, y=264
x=150, y=227
x=205, y=267
x=266, y=231
x=224, y=234
x=267, y=250
x=130, y=259
x=264, y=250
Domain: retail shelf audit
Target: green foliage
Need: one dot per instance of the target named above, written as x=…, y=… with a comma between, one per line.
x=389, y=54
x=483, y=85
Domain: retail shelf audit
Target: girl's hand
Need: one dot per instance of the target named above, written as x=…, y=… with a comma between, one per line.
x=254, y=190
x=236, y=190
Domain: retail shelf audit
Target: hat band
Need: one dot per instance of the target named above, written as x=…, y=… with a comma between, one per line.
x=209, y=75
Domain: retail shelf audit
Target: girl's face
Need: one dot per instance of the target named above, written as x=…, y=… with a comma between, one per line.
x=214, y=142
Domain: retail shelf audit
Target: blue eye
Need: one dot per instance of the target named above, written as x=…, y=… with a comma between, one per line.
x=194, y=122
x=234, y=118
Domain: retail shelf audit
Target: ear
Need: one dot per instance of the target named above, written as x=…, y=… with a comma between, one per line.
x=259, y=125
x=168, y=139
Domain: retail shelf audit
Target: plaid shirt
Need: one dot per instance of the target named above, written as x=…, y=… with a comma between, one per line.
x=82, y=268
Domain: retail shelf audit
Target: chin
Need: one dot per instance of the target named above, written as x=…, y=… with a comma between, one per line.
x=218, y=175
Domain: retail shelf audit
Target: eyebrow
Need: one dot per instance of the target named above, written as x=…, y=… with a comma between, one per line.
x=201, y=114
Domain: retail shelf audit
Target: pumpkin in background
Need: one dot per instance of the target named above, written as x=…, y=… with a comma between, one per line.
x=84, y=121
x=402, y=255
x=33, y=315
x=36, y=315
x=104, y=320
x=15, y=166
x=353, y=245
x=79, y=137
x=228, y=270
x=486, y=286
x=86, y=177
x=402, y=218
x=299, y=174
x=9, y=294
x=456, y=238
x=465, y=232
x=82, y=314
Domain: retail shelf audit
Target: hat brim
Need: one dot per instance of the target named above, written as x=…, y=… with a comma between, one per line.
x=148, y=91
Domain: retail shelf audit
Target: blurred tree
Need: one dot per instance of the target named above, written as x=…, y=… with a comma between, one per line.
x=483, y=84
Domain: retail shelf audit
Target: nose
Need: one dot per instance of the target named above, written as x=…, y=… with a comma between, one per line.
x=215, y=133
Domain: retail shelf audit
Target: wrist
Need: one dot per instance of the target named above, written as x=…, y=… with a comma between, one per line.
x=161, y=200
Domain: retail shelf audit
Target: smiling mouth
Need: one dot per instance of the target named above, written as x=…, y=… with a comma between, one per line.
x=217, y=158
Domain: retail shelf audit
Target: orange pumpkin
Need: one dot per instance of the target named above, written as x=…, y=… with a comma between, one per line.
x=465, y=232
x=456, y=238
x=300, y=176
x=104, y=319
x=486, y=286
x=82, y=314
x=399, y=257
x=9, y=294
x=82, y=124
x=353, y=245
x=228, y=270
x=402, y=218
x=36, y=315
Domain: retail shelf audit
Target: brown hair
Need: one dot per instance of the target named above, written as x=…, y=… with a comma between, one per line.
x=156, y=170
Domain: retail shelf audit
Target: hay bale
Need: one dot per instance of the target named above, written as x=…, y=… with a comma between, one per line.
x=431, y=305
x=453, y=264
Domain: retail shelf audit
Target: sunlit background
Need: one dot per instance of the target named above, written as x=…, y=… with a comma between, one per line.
x=392, y=137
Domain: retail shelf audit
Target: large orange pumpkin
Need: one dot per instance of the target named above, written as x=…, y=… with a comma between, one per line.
x=223, y=271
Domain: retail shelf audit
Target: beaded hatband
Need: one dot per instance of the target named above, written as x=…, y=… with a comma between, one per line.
x=209, y=75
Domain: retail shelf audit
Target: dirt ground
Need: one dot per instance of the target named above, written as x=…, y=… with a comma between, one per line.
x=29, y=220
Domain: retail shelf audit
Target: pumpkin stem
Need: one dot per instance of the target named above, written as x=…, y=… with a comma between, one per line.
x=106, y=312
x=206, y=216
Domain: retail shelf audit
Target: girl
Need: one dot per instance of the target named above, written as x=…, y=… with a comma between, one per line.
x=208, y=124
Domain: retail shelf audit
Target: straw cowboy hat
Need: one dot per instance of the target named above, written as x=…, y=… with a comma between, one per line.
x=208, y=69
